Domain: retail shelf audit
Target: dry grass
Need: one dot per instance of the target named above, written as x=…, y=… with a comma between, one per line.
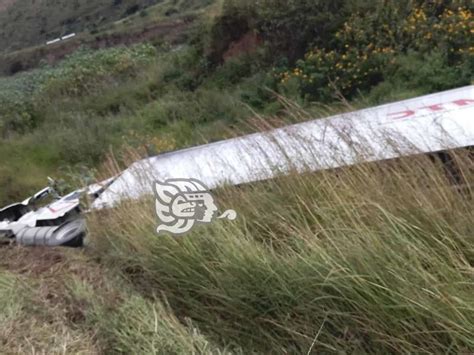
x=38, y=316
x=58, y=301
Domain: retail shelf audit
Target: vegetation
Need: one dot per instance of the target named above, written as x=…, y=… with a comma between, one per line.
x=372, y=259
x=24, y=23
x=376, y=259
x=363, y=55
x=63, y=303
x=64, y=118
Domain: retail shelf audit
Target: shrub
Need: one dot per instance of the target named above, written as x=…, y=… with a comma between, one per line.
x=25, y=97
x=82, y=72
x=17, y=104
x=287, y=27
x=235, y=69
x=429, y=72
x=369, y=49
x=81, y=140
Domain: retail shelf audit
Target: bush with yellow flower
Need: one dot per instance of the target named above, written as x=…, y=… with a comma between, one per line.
x=368, y=48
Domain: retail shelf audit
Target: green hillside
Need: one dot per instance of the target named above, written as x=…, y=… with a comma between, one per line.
x=164, y=22
x=64, y=118
x=375, y=259
x=24, y=23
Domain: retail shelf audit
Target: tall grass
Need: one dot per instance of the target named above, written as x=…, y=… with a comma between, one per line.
x=376, y=258
x=125, y=322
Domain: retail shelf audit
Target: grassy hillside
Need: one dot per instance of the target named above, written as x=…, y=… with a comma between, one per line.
x=64, y=119
x=373, y=259
x=165, y=22
x=24, y=23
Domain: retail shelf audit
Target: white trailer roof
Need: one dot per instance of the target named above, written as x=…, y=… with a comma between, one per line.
x=425, y=124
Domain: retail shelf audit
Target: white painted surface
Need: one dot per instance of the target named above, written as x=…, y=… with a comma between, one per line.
x=425, y=124
x=71, y=35
x=56, y=40
x=59, y=39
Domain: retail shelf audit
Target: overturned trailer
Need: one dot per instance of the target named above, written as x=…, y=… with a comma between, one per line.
x=433, y=123
x=429, y=124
